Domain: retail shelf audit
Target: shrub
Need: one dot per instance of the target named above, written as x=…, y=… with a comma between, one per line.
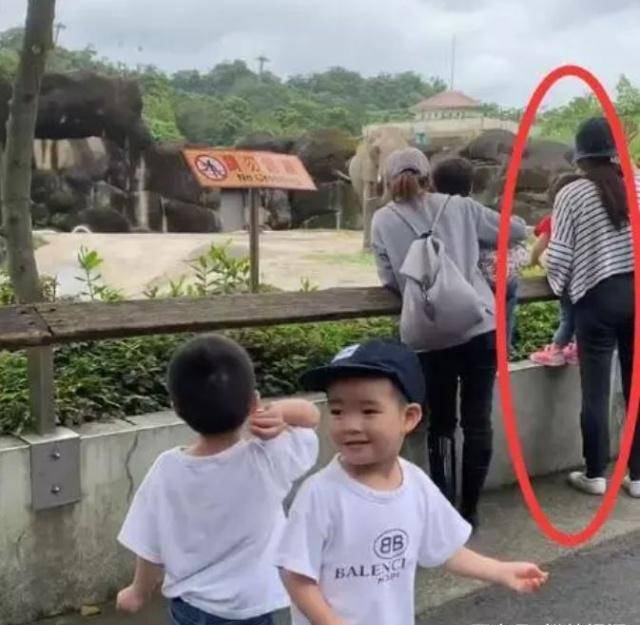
x=536, y=324
x=111, y=379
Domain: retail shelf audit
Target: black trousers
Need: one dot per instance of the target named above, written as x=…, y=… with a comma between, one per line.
x=470, y=371
x=604, y=320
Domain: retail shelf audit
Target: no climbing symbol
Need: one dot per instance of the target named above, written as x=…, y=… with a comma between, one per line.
x=211, y=167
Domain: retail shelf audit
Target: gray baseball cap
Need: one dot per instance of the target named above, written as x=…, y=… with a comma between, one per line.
x=407, y=159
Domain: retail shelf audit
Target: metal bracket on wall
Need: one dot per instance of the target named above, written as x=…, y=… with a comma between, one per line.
x=55, y=468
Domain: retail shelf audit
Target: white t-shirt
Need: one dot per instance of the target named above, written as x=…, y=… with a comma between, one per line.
x=363, y=546
x=214, y=522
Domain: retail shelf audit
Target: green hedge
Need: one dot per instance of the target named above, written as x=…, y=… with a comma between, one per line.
x=127, y=377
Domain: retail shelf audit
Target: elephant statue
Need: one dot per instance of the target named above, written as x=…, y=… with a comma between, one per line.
x=366, y=173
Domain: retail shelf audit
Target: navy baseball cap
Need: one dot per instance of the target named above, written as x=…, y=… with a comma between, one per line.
x=594, y=139
x=389, y=359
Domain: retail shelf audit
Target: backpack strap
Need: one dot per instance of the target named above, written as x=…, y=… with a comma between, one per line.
x=421, y=232
x=438, y=215
x=417, y=231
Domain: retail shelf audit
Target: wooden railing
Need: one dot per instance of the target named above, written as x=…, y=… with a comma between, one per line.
x=47, y=324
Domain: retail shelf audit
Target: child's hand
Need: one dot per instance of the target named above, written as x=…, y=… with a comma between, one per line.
x=523, y=577
x=267, y=423
x=130, y=600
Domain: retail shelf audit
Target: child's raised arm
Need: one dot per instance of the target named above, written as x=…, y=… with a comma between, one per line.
x=306, y=595
x=298, y=412
x=541, y=244
x=272, y=420
x=523, y=577
x=146, y=580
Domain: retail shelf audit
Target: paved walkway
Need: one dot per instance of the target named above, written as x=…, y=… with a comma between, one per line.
x=585, y=585
x=596, y=586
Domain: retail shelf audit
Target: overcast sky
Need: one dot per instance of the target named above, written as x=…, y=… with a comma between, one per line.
x=503, y=47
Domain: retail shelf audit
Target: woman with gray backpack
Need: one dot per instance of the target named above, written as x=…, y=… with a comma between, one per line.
x=427, y=249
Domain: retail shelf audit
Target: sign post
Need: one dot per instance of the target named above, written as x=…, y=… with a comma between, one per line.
x=241, y=169
x=254, y=239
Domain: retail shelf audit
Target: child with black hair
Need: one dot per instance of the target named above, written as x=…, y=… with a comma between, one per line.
x=208, y=516
x=454, y=176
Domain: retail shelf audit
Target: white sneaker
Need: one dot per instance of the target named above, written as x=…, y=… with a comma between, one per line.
x=631, y=486
x=589, y=485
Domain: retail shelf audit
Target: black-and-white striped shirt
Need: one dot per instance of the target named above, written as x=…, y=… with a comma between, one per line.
x=585, y=247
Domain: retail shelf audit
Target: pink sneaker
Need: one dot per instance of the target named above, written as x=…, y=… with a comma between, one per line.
x=571, y=354
x=550, y=356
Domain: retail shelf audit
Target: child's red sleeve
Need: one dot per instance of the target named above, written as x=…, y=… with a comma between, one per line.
x=543, y=227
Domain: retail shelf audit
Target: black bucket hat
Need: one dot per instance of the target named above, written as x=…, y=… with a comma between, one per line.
x=594, y=139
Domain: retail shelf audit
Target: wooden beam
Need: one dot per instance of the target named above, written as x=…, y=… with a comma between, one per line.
x=535, y=290
x=22, y=326
x=79, y=322
x=64, y=322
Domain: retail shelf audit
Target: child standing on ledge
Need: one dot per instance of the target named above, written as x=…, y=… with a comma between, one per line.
x=563, y=349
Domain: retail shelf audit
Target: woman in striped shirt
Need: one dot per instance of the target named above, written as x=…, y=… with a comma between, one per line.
x=590, y=255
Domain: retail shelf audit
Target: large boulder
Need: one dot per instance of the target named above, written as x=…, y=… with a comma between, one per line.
x=169, y=175
x=278, y=209
x=492, y=145
x=90, y=155
x=312, y=205
x=265, y=142
x=104, y=220
x=553, y=156
x=83, y=104
x=108, y=197
x=323, y=152
x=185, y=217
x=485, y=177
x=542, y=160
x=40, y=215
x=43, y=185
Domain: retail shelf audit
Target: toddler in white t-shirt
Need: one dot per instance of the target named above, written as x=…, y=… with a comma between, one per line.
x=359, y=528
x=207, y=518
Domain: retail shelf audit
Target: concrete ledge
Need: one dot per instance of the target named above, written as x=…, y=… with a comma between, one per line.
x=60, y=559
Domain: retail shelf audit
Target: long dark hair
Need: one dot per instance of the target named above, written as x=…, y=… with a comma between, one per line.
x=607, y=176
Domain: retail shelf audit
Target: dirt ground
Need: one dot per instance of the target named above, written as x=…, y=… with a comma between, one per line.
x=133, y=262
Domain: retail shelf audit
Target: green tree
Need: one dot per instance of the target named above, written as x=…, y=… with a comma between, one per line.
x=562, y=122
x=188, y=80
x=627, y=98
x=8, y=64
x=158, y=108
x=222, y=79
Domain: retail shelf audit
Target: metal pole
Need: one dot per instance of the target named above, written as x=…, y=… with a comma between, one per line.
x=254, y=240
x=453, y=61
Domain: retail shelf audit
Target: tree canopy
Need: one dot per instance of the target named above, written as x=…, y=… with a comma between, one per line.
x=231, y=100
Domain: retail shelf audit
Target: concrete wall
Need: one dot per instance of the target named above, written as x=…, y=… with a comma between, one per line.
x=60, y=559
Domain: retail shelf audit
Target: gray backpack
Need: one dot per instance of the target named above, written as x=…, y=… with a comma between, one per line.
x=439, y=305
